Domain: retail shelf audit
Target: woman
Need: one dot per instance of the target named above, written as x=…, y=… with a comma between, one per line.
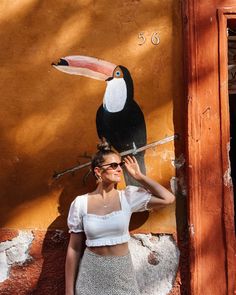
x=100, y=220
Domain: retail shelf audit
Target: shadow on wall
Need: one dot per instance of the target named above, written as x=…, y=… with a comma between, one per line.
x=51, y=279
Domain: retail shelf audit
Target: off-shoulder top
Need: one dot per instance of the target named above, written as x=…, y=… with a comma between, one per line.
x=111, y=228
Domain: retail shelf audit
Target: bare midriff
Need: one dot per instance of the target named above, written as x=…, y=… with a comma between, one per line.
x=114, y=250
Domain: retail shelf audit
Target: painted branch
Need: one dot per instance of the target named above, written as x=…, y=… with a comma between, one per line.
x=132, y=151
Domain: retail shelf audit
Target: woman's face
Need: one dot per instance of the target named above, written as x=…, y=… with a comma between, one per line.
x=109, y=172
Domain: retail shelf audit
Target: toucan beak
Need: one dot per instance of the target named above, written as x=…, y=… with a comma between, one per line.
x=86, y=66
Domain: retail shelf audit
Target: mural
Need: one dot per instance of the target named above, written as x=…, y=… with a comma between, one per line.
x=49, y=121
x=119, y=119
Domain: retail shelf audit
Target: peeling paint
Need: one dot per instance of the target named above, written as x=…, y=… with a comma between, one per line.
x=182, y=185
x=191, y=229
x=227, y=174
x=178, y=186
x=15, y=251
x=145, y=240
x=227, y=178
x=174, y=184
x=179, y=162
x=167, y=155
x=155, y=260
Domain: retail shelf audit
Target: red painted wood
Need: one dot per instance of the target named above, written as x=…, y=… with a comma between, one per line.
x=210, y=208
x=224, y=16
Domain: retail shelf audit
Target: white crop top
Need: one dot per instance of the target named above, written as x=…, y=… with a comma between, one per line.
x=111, y=228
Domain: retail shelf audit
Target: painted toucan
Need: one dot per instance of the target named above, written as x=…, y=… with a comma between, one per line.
x=119, y=119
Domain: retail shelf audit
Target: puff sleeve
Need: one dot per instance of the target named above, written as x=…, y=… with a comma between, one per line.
x=137, y=198
x=75, y=218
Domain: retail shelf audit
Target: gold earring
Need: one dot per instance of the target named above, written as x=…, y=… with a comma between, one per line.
x=98, y=177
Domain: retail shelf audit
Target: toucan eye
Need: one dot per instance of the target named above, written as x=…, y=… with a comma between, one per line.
x=118, y=73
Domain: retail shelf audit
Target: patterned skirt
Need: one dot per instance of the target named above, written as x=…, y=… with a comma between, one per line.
x=106, y=275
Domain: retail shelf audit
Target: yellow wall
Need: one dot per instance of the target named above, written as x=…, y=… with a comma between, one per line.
x=48, y=118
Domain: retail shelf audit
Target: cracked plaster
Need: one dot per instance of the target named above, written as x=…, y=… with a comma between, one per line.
x=155, y=260
x=14, y=252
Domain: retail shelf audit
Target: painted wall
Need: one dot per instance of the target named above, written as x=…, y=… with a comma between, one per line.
x=48, y=118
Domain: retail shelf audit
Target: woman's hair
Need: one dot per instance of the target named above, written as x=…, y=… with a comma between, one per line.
x=104, y=149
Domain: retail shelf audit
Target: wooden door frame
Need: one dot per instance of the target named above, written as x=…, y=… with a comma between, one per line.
x=193, y=149
x=224, y=14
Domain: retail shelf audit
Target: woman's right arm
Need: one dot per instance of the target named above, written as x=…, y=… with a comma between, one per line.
x=75, y=251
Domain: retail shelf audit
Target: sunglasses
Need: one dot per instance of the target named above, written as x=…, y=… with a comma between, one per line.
x=113, y=165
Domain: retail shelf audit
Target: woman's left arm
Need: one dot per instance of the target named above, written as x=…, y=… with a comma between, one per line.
x=161, y=196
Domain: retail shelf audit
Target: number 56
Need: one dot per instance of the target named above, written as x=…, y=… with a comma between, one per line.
x=155, y=39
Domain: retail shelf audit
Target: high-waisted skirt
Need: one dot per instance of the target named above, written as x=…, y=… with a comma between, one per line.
x=106, y=275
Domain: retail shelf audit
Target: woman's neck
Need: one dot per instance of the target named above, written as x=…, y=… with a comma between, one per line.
x=105, y=190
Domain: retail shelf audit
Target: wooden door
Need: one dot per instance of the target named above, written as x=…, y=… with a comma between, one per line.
x=210, y=210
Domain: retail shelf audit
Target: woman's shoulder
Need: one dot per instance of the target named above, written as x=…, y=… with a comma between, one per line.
x=78, y=200
x=137, y=197
x=130, y=189
x=131, y=192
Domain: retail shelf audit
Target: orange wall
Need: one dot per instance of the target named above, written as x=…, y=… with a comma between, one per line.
x=48, y=118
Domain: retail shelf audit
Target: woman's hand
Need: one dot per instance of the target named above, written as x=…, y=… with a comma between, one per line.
x=160, y=195
x=132, y=167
